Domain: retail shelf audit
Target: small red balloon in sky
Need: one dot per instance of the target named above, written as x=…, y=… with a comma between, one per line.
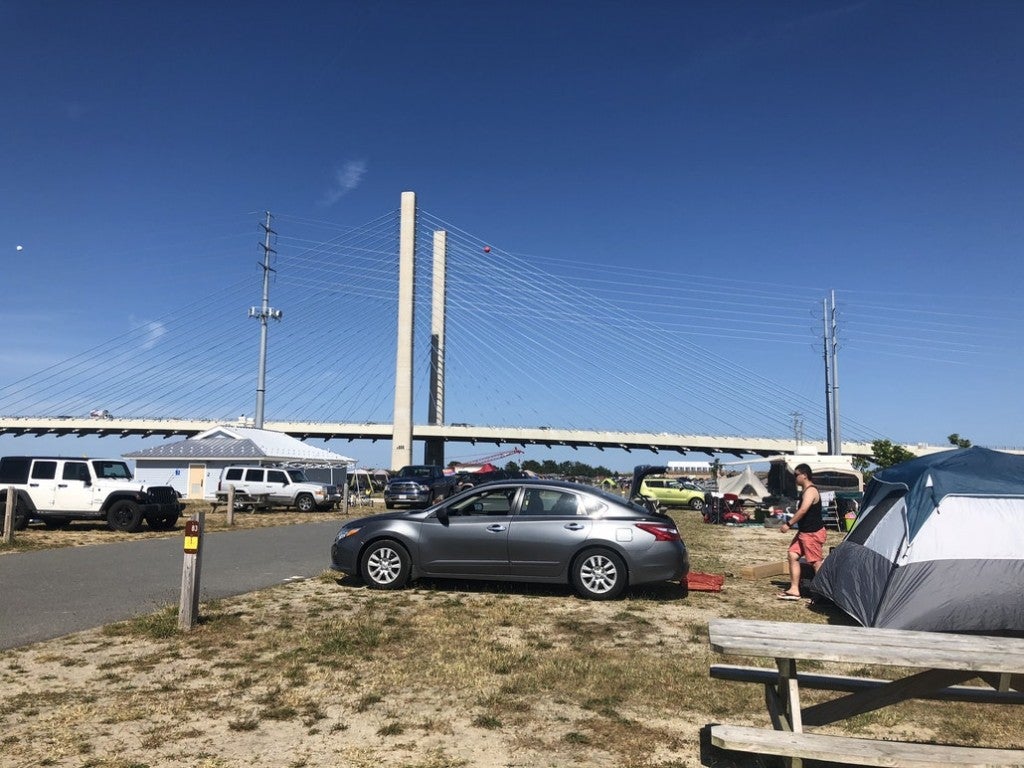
x=487, y=249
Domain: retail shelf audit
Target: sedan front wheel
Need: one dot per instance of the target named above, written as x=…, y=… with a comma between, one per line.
x=385, y=565
x=598, y=574
x=697, y=504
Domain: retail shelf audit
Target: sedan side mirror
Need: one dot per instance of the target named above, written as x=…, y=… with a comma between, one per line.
x=442, y=515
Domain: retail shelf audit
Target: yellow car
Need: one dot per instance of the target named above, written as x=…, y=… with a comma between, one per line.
x=670, y=492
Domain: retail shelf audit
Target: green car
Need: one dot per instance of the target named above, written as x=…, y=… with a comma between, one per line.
x=669, y=492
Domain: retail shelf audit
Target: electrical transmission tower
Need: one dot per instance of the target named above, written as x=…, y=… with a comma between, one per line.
x=264, y=312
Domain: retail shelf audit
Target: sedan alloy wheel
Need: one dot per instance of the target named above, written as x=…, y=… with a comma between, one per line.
x=385, y=565
x=599, y=575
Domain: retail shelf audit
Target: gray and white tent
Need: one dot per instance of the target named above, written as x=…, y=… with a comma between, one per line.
x=746, y=485
x=938, y=545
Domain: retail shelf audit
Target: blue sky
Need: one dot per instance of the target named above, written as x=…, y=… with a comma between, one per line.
x=869, y=147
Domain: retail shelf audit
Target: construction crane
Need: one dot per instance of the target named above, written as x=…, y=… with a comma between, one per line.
x=490, y=458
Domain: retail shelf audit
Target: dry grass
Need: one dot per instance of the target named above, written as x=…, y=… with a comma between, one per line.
x=81, y=533
x=326, y=673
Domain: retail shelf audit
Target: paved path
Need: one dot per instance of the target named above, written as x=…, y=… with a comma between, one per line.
x=55, y=592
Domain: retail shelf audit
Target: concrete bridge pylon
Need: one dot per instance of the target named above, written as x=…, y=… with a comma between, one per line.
x=401, y=440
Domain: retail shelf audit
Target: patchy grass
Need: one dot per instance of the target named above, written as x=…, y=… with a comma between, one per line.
x=325, y=672
x=80, y=533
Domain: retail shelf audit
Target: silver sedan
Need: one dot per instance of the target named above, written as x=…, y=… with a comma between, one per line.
x=517, y=530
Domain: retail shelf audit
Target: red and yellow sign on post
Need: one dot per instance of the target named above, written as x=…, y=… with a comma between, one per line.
x=188, y=608
x=191, y=537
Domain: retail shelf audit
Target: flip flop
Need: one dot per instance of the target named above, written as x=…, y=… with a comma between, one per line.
x=788, y=596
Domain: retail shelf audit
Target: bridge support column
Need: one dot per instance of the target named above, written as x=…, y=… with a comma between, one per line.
x=434, y=450
x=401, y=439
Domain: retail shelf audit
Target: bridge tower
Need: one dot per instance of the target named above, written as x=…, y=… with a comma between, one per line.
x=434, y=451
x=401, y=437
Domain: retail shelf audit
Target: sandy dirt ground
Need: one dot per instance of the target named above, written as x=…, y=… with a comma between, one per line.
x=326, y=672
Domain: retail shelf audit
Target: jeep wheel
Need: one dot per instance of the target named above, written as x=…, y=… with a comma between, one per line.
x=21, y=516
x=162, y=522
x=124, y=516
x=305, y=503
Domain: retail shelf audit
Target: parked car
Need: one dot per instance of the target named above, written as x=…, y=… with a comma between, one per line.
x=670, y=492
x=418, y=485
x=517, y=530
x=283, y=486
x=58, y=490
x=470, y=479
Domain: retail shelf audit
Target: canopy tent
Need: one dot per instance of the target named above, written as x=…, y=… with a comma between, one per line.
x=746, y=485
x=938, y=545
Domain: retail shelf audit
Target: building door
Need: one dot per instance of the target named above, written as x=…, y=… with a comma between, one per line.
x=196, y=481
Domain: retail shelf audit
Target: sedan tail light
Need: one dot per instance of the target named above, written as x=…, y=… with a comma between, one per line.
x=660, y=531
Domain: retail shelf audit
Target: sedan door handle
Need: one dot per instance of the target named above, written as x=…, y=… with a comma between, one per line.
x=62, y=485
x=496, y=528
x=574, y=526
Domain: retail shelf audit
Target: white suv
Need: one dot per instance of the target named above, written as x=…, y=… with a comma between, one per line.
x=280, y=485
x=57, y=490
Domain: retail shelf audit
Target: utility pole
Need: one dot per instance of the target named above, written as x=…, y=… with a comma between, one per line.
x=837, y=443
x=798, y=429
x=828, y=379
x=264, y=312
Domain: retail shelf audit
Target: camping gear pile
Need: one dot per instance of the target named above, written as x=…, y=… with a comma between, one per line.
x=724, y=509
x=938, y=545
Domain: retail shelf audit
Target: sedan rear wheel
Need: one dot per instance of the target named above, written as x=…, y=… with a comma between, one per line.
x=385, y=565
x=599, y=574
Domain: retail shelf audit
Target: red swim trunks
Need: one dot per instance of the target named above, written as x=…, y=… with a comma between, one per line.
x=809, y=545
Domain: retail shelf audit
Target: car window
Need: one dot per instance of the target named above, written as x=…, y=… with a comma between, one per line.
x=44, y=470
x=277, y=476
x=76, y=470
x=111, y=470
x=594, y=507
x=566, y=504
x=235, y=473
x=489, y=502
x=254, y=475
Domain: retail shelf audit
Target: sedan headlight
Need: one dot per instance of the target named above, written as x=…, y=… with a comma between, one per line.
x=344, y=533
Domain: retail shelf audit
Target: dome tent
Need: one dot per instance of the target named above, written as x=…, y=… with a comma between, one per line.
x=746, y=485
x=938, y=545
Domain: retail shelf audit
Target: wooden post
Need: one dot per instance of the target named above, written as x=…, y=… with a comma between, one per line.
x=231, y=505
x=188, y=607
x=9, y=516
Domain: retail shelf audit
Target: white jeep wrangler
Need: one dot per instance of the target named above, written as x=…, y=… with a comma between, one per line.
x=58, y=490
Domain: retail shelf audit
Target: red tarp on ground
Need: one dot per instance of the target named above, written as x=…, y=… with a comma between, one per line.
x=704, y=582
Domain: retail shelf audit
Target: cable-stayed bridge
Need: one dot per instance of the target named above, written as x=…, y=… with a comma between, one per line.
x=535, y=353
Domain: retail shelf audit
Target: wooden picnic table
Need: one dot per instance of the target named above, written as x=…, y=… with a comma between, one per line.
x=243, y=501
x=943, y=662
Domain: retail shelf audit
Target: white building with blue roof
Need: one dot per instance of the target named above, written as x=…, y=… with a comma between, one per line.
x=193, y=466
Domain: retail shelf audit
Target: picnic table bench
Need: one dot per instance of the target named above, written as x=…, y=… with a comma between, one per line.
x=945, y=661
x=246, y=502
